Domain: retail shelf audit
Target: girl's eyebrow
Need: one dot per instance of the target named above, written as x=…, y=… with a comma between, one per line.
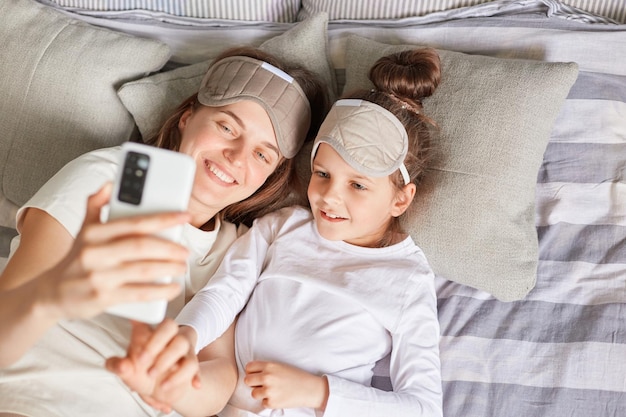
x=241, y=124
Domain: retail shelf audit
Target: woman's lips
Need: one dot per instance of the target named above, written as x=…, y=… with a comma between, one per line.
x=219, y=174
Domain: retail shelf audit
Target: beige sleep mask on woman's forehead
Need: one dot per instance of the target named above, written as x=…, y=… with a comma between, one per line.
x=367, y=136
x=239, y=78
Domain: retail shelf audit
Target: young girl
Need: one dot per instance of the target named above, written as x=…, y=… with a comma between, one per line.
x=244, y=126
x=324, y=294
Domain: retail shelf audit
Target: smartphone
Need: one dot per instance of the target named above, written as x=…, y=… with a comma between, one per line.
x=150, y=180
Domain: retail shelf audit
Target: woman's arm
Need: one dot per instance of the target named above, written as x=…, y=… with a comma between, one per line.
x=52, y=276
x=161, y=365
x=218, y=378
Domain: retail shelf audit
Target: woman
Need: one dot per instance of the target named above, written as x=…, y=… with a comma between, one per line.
x=249, y=118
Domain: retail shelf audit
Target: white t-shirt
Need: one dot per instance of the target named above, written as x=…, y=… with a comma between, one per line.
x=64, y=374
x=329, y=308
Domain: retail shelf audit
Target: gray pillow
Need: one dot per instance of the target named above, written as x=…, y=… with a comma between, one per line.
x=152, y=99
x=58, y=81
x=474, y=215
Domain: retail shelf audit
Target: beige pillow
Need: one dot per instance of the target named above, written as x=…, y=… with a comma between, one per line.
x=58, y=79
x=474, y=215
x=152, y=99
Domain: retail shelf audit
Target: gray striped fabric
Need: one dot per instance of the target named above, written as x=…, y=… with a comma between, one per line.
x=290, y=10
x=256, y=10
x=375, y=9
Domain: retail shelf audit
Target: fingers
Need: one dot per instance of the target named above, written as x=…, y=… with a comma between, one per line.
x=159, y=339
x=99, y=253
x=255, y=366
x=119, y=366
x=157, y=405
x=95, y=231
x=141, y=272
x=174, y=357
x=254, y=374
x=185, y=372
x=139, y=337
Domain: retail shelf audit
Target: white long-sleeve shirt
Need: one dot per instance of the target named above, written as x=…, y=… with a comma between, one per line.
x=329, y=308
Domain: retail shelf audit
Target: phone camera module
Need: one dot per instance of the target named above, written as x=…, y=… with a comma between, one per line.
x=133, y=177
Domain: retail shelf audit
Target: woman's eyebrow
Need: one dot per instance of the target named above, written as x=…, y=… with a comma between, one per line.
x=240, y=122
x=235, y=117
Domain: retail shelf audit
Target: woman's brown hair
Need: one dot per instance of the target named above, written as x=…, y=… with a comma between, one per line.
x=401, y=81
x=283, y=182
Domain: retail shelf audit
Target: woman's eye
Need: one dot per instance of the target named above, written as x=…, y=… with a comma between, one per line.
x=226, y=129
x=321, y=174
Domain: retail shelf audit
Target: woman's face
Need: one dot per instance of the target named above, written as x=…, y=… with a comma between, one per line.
x=235, y=150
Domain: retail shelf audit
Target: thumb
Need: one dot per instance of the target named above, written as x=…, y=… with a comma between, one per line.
x=118, y=366
x=96, y=201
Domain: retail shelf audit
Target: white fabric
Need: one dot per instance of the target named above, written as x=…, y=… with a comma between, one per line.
x=329, y=308
x=64, y=374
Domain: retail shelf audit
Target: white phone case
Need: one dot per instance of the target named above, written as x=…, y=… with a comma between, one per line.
x=150, y=180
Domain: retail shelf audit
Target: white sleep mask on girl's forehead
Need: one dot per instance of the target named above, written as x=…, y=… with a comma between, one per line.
x=367, y=136
x=239, y=78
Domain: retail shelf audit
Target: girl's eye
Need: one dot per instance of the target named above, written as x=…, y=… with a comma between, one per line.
x=262, y=156
x=321, y=174
x=358, y=186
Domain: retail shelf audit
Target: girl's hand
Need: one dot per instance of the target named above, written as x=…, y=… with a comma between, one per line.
x=160, y=364
x=283, y=386
x=115, y=262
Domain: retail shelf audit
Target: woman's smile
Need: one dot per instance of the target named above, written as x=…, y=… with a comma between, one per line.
x=219, y=174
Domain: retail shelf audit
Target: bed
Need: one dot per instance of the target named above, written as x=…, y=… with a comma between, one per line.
x=524, y=220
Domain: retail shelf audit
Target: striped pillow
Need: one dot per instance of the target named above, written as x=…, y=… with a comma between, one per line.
x=253, y=10
x=375, y=9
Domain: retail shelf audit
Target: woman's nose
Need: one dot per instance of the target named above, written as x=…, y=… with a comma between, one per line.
x=234, y=153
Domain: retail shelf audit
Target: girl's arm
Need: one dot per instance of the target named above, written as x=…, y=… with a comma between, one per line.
x=52, y=276
x=214, y=308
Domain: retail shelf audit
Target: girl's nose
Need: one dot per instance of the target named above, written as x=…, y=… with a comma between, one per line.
x=330, y=194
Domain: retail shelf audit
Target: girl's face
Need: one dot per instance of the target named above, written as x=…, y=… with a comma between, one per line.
x=235, y=150
x=348, y=205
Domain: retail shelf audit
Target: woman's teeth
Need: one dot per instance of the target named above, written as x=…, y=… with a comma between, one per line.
x=221, y=174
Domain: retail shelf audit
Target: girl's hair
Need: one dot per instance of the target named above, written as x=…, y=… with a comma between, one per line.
x=283, y=181
x=401, y=81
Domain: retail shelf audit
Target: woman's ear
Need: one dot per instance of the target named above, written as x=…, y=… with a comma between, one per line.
x=182, y=122
x=403, y=200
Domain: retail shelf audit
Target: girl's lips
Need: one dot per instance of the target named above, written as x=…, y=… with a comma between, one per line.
x=331, y=217
x=218, y=173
